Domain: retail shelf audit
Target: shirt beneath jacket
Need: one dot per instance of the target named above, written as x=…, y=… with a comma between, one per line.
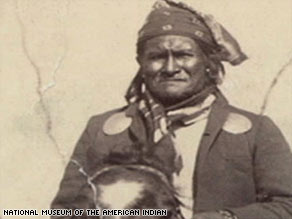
x=187, y=140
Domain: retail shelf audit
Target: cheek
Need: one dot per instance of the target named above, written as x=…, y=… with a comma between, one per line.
x=194, y=64
x=196, y=69
x=151, y=69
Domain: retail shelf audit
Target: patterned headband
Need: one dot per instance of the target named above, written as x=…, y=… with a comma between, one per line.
x=171, y=18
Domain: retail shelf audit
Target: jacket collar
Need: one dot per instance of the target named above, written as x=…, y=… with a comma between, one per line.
x=137, y=128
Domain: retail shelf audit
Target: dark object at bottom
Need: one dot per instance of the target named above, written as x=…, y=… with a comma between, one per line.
x=134, y=187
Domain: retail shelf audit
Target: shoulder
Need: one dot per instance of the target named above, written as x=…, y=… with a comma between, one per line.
x=256, y=120
x=98, y=121
x=263, y=132
x=240, y=121
x=238, y=111
x=98, y=118
x=250, y=122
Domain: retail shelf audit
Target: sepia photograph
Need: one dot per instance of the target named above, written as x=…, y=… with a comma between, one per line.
x=136, y=109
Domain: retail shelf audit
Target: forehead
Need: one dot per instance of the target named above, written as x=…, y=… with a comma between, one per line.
x=171, y=42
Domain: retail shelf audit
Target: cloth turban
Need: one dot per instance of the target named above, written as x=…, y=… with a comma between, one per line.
x=171, y=18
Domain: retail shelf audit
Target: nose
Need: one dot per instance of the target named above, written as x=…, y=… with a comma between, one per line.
x=171, y=67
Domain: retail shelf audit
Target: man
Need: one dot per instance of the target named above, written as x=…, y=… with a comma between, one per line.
x=224, y=163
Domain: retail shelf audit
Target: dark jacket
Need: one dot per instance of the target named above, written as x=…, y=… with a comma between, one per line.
x=244, y=163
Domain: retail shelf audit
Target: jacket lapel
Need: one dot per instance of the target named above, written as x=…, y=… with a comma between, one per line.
x=215, y=122
x=137, y=129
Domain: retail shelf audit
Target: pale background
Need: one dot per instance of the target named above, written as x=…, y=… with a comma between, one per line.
x=62, y=61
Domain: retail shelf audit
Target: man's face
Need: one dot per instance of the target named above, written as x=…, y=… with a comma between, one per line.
x=173, y=67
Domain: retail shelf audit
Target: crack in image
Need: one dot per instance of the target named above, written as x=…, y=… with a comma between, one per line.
x=39, y=89
x=273, y=85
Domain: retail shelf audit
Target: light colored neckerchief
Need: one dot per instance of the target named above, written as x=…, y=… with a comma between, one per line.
x=203, y=107
x=162, y=122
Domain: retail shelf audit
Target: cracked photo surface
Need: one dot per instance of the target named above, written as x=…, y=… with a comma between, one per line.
x=64, y=61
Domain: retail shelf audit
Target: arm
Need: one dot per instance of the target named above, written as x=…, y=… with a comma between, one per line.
x=69, y=196
x=272, y=175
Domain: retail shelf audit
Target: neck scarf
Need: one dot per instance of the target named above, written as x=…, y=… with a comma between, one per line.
x=161, y=121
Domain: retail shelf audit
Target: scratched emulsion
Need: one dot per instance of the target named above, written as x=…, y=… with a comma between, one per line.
x=89, y=180
x=75, y=58
x=41, y=87
x=273, y=85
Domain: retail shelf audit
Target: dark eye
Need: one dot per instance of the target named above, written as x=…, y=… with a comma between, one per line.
x=156, y=56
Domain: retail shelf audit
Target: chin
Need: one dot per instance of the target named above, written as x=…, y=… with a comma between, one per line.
x=173, y=93
x=173, y=96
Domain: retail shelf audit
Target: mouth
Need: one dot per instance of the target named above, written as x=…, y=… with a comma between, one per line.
x=173, y=80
